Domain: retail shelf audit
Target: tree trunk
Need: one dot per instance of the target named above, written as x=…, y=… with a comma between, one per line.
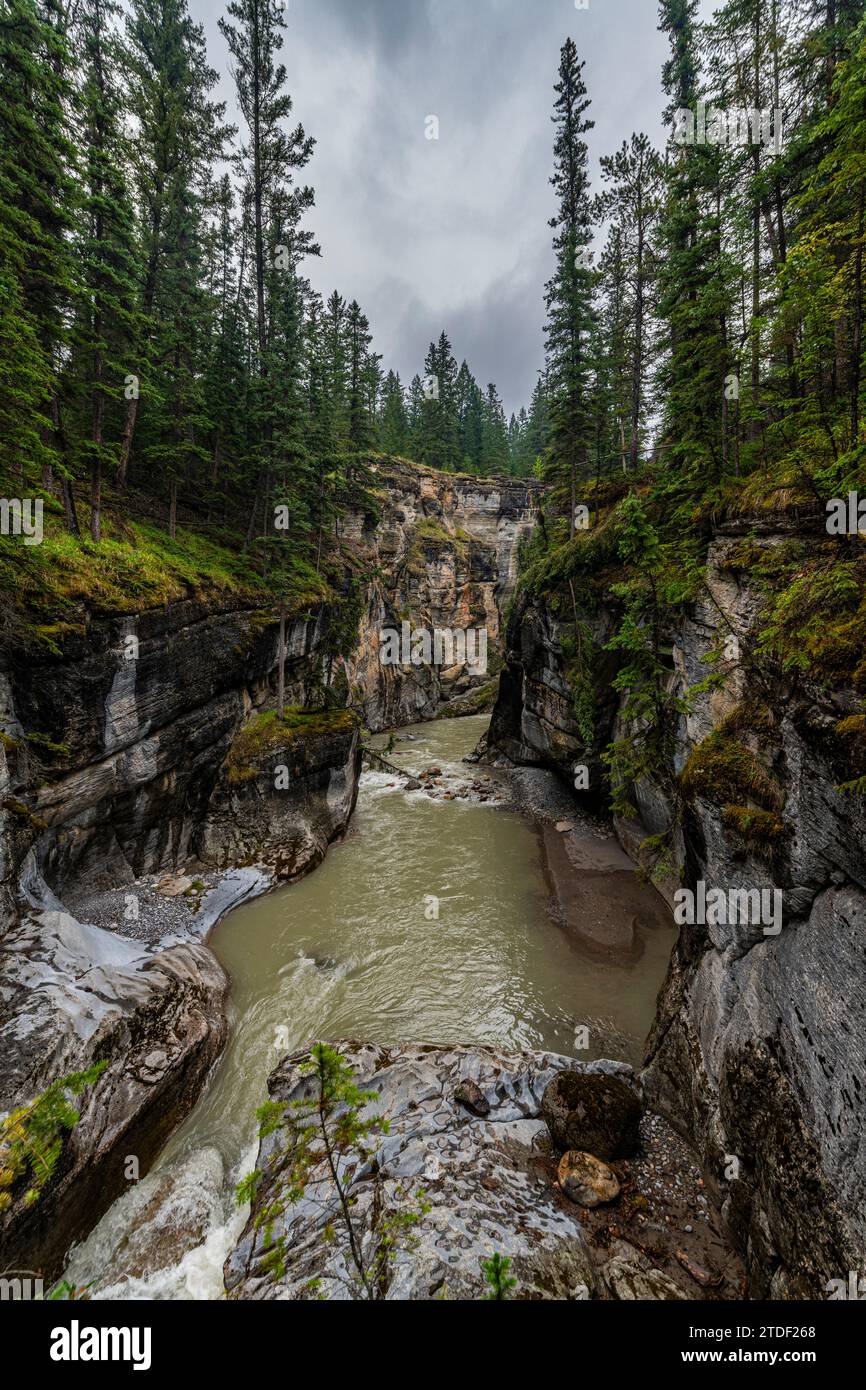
x=126, y=442
x=70, y=512
x=857, y=345
x=281, y=690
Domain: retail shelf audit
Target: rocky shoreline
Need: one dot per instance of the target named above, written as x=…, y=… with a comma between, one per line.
x=140, y=994
x=468, y=1127
x=121, y=779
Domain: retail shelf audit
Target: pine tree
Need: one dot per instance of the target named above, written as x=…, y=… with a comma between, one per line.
x=267, y=164
x=415, y=416
x=37, y=198
x=227, y=379
x=569, y=294
x=361, y=417
x=440, y=426
x=692, y=298
x=632, y=200
x=616, y=366
x=179, y=136
x=393, y=419
x=106, y=319
x=494, y=436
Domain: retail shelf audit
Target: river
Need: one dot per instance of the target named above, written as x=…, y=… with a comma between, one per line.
x=430, y=922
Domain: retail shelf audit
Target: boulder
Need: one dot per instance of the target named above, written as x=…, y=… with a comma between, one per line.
x=586, y=1180
x=594, y=1113
x=631, y=1278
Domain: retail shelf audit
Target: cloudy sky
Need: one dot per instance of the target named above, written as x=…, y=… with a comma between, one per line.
x=451, y=233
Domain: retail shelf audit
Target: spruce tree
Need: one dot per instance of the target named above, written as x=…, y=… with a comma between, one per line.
x=267, y=163
x=494, y=436
x=179, y=135
x=569, y=294
x=633, y=176
x=106, y=318
x=393, y=419
x=37, y=201
x=692, y=295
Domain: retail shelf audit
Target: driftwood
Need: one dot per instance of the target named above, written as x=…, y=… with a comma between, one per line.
x=376, y=760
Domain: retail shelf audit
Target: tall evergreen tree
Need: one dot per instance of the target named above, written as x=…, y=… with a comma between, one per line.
x=633, y=176
x=37, y=200
x=692, y=298
x=179, y=135
x=393, y=419
x=106, y=320
x=267, y=163
x=569, y=294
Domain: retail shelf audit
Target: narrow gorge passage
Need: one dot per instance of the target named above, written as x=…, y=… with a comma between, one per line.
x=354, y=951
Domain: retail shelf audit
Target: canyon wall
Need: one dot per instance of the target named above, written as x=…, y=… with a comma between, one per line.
x=443, y=556
x=134, y=782
x=758, y=1053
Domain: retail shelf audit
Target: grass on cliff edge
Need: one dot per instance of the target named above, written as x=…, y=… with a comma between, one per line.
x=49, y=589
x=266, y=733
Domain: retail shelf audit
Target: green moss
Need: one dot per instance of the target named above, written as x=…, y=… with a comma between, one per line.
x=722, y=771
x=48, y=747
x=24, y=813
x=266, y=733
x=749, y=716
x=816, y=622
x=763, y=829
x=8, y=742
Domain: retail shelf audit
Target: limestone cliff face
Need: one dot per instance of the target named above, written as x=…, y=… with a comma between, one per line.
x=444, y=555
x=759, y=1049
x=134, y=784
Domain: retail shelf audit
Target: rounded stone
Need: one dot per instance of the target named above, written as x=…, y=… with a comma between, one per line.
x=593, y=1113
x=586, y=1180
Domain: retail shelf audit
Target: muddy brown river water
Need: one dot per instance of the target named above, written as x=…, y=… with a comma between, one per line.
x=431, y=922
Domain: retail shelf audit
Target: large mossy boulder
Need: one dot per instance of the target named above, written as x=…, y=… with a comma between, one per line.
x=594, y=1113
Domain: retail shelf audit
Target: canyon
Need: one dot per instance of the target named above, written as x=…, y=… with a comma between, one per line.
x=144, y=782
x=139, y=770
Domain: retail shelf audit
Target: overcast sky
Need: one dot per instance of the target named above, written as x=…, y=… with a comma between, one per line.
x=451, y=233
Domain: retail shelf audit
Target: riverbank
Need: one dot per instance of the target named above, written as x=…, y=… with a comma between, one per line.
x=430, y=919
x=466, y=1126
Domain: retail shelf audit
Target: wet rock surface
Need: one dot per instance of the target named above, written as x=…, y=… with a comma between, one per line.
x=491, y=1183
x=73, y=995
x=759, y=1050
x=446, y=553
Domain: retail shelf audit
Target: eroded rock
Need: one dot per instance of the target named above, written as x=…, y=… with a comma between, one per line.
x=485, y=1180
x=594, y=1113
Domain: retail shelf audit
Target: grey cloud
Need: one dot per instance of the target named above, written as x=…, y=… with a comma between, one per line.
x=451, y=233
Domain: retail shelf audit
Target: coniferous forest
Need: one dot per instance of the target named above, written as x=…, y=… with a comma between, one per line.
x=163, y=353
